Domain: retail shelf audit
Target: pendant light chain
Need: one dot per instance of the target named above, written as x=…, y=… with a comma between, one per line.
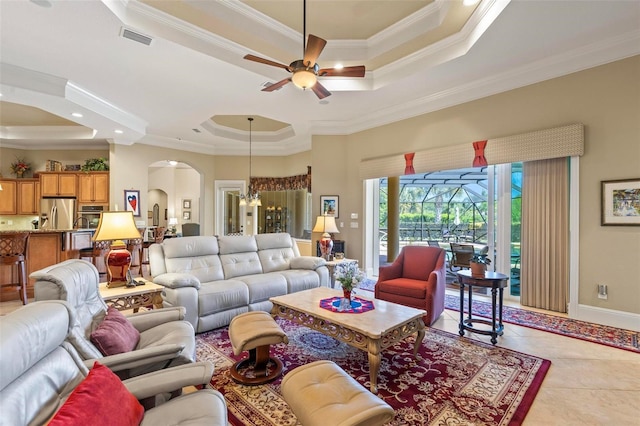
x=251, y=198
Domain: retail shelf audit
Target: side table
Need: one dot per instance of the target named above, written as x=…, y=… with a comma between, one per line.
x=496, y=282
x=331, y=265
x=123, y=298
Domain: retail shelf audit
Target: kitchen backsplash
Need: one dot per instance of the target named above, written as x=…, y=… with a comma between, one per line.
x=17, y=223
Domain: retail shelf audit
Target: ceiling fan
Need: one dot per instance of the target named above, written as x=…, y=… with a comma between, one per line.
x=305, y=72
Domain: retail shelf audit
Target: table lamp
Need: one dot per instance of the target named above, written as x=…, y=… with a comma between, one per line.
x=117, y=226
x=326, y=225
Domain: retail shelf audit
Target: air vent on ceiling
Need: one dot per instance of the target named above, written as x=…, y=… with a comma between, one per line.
x=196, y=130
x=132, y=35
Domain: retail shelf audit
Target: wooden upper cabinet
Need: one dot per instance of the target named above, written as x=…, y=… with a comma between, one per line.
x=28, y=196
x=9, y=197
x=58, y=184
x=93, y=188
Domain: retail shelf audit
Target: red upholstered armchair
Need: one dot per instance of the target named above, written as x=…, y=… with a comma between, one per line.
x=417, y=279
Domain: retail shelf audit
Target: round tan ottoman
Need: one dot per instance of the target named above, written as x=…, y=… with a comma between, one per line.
x=255, y=332
x=321, y=393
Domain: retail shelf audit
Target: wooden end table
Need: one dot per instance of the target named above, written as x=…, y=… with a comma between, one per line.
x=496, y=282
x=123, y=298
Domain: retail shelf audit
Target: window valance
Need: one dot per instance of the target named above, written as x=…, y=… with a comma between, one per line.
x=289, y=183
x=556, y=142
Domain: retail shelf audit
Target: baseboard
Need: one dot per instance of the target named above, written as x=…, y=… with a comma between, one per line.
x=619, y=319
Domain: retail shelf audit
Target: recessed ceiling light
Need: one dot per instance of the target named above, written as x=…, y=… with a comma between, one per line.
x=76, y=114
x=173, y=162
x=118, y=131
x=338, y=66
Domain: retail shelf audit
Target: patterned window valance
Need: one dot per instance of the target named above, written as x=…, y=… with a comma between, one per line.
x=290, y=183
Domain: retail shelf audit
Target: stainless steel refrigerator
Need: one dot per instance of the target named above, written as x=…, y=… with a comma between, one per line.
x=57, y=213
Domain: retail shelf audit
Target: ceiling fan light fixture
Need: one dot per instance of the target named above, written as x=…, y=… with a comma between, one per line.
x=304, y=79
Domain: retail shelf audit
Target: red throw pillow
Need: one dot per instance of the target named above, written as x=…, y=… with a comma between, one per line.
x=100, y=399
x=115, y=335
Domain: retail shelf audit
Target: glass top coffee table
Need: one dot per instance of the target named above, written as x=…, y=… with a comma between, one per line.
x=371, y=331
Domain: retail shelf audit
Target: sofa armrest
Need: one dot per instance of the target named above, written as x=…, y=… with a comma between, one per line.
x=177, y=280
x=140, y=357
x=390, y=272
x=145, y=320
x=170, y=379
x=307, y=262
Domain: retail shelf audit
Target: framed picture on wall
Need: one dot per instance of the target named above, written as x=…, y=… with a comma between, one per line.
x=329, y=205
x=186, y=204
x=621, y=202
x=186, y=215
x=132, y=201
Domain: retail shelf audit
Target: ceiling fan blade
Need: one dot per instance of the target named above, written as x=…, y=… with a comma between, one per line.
x=357, y=71
x=276, y=86
x=266, y=62
x=320, y=91
x=313, y=50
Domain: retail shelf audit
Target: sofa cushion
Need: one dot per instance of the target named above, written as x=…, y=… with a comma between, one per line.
x=237, y=244
x=407, y=287
x=263, y=286
x=115, y=334
x=100, y=399
x=218, y=296
x=240, y=264
x=300, y=279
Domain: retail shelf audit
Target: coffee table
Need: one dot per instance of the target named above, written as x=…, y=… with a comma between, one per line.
x=371, y=331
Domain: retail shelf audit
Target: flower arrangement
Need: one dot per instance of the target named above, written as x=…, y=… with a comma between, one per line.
x=20, y=166
x=349, y=275
x=480, y=258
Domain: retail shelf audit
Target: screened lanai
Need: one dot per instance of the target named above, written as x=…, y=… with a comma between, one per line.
x=451, y=207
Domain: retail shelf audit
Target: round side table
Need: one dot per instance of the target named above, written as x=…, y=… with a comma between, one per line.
x=496, y=282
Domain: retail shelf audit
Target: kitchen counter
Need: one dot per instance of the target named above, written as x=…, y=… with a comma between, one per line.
x=46, y=247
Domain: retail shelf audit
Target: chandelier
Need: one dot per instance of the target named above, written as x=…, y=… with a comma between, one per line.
x=251, y=198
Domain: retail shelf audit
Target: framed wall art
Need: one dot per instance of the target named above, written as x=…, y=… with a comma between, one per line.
x=186, y=215
x=329, y=205
x=132, y=201
x=621, y=202
x=186, y=204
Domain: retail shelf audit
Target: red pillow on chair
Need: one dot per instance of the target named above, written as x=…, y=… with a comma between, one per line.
x=100, y=399
x=115, y=335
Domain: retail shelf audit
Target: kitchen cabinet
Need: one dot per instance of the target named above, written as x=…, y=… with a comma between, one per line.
x=28, y=198
x=58, y=184
x=9, y=197
x=93, y=188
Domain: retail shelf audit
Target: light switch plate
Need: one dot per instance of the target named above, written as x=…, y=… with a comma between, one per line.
x=354, y=224
x=354, y=215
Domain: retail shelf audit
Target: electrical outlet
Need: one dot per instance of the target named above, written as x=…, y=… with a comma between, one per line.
x=9, y=222
x=602, y=291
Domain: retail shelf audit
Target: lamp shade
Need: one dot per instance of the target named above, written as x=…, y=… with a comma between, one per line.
x=326, y=224
x=117, y=226
x=173, y=221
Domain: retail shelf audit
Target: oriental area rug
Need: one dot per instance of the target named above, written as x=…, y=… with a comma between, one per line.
x=455, y=381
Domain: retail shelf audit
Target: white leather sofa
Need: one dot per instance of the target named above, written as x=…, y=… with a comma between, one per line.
x=217, y=278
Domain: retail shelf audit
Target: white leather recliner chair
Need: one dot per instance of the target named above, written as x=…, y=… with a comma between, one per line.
x=166, y=339
x=40, y=369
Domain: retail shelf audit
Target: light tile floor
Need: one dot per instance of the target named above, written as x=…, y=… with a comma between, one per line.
x=587, y=383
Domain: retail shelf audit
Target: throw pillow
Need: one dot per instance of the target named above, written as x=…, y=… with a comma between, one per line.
x=115, y=335
x=100, y=399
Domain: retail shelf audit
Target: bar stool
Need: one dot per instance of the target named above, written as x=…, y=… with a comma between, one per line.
x=144, y=255
x=13, y=249
x=96, y=253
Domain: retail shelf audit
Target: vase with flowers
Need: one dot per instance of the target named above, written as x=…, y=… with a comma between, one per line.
x=349, y=276
x=19, y=167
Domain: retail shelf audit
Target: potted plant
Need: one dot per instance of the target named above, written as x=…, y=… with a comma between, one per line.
x=95, y=165
x=349, y=276
x=478, y=264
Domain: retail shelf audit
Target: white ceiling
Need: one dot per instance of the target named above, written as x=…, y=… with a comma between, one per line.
x=69, y=57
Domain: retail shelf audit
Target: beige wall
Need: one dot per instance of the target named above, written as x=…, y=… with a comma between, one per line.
x=605, y=99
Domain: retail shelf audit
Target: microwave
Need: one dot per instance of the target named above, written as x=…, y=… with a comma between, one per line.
x=91, y=214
